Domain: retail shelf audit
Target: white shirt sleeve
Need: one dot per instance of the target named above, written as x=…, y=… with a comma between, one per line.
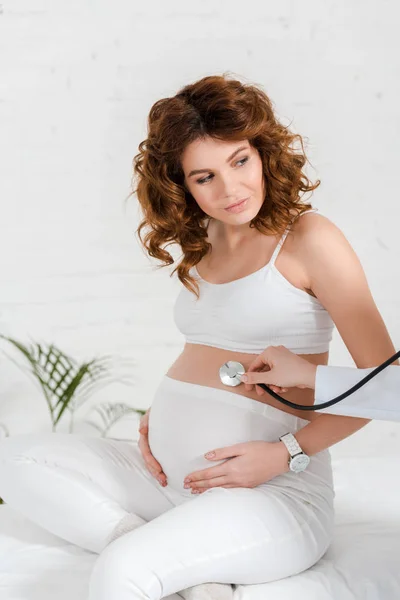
x=377, y=399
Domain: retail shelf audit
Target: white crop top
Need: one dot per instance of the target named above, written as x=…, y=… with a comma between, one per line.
x=251, y=313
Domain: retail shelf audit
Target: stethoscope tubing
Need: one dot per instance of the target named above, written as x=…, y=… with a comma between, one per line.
x=323, y=405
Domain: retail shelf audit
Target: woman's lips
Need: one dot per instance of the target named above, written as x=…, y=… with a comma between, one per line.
x=237, y=207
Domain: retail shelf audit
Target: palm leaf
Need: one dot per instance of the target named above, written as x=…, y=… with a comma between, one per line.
x=66, y=384
x=89, y=389
x=66, y=395
x=110, y=413
x=29, y=354
x=4, y=429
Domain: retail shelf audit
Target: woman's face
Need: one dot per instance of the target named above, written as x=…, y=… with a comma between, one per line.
x=220, y=174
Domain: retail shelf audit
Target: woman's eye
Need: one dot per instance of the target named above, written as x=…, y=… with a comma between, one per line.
x=204, y=180
x=238, y=163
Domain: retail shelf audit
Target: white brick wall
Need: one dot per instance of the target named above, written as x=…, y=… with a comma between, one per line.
x=77, y=79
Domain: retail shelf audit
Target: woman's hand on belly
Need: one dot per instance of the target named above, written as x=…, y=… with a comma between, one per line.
x=247, y=465
x=153, y=466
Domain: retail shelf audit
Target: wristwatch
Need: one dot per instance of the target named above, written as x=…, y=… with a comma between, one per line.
x=298, y=460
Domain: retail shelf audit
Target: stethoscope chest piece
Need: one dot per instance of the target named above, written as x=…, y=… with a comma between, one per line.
x=230, y=373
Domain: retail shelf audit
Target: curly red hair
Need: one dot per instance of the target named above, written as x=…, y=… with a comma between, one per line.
x=224, y=109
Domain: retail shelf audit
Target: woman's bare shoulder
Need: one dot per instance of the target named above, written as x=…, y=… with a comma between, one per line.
x=316, y=229
x=310, y=221
x=320, y=246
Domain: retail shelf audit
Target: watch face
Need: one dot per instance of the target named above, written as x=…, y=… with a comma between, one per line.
x=299, y=463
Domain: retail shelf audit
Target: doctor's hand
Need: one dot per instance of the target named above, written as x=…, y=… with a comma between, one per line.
x=153, y=466
x=250, y=464
x=280, y=369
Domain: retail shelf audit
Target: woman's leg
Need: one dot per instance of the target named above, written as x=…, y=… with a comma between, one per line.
x=85, y=490
x=240, y=535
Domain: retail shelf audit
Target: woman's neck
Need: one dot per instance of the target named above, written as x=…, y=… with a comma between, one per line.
x=233, y=237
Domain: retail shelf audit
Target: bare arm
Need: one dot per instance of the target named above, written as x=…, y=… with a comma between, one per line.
x=338, y=280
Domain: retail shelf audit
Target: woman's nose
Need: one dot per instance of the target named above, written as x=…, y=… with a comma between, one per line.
x=228, y=187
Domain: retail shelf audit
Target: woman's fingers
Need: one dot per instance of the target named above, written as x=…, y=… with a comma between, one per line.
x=152, y=464
x=202, y=486
x=144, y=423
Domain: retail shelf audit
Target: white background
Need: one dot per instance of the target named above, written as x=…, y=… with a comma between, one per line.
x=77, y=79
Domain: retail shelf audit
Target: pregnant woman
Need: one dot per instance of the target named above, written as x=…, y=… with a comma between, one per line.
x=219, y=176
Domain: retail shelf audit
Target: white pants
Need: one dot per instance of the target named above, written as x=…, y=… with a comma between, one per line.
x=81, y=488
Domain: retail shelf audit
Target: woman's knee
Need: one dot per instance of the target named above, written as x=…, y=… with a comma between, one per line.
x=120, y=572
x=31, y=461
x=32, y=446
x=12, y=447
x=52, y=449
x=52, y=480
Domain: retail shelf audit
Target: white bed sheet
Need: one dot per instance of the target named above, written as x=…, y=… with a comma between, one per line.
x=362, y=563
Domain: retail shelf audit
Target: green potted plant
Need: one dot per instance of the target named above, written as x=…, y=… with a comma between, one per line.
x=66, y=384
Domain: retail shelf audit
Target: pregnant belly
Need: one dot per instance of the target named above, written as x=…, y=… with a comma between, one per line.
x=200, y=365
x=187, y=420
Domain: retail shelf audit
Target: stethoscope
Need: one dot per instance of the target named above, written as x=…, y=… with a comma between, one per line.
x=230, y=374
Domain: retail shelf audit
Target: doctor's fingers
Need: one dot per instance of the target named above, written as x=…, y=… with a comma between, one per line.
x=258, y=365
x=274, y=388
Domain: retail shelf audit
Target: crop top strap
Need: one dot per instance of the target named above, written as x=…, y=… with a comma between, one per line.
x=279, y=246
x=284, y=236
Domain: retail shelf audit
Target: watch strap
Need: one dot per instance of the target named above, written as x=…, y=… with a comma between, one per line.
x=291, y=444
